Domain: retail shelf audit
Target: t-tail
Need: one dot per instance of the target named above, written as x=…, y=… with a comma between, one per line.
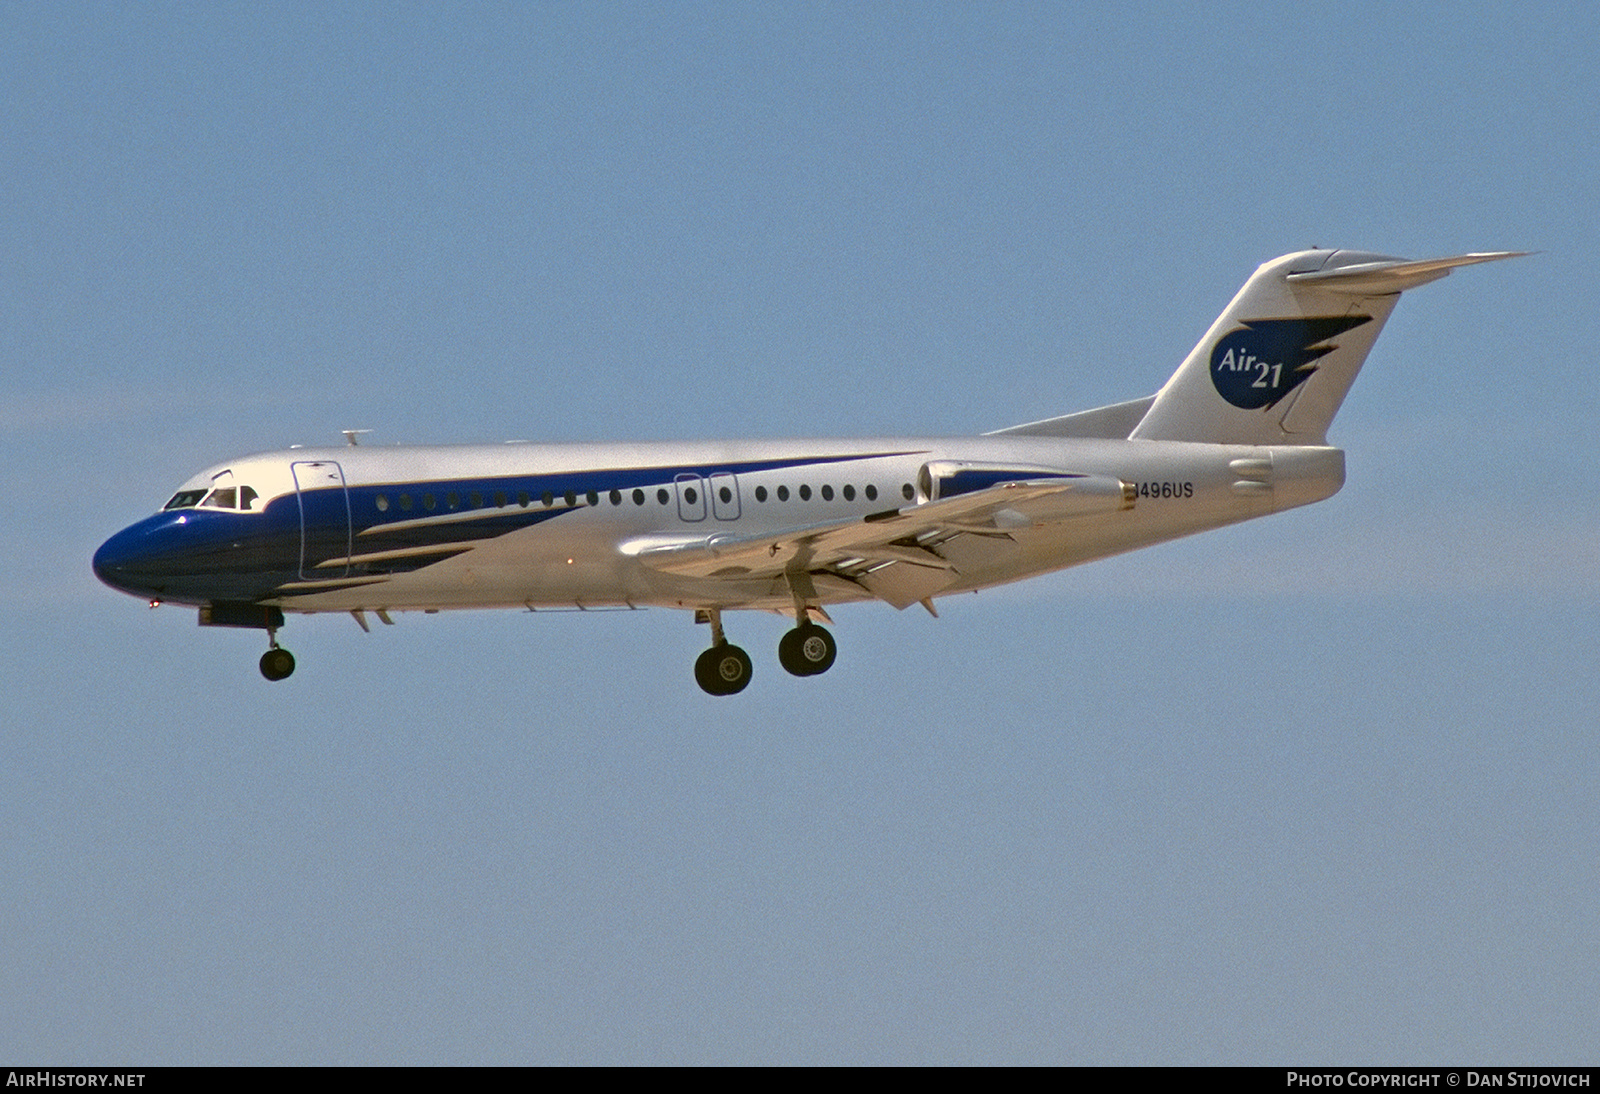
x=1275, y=366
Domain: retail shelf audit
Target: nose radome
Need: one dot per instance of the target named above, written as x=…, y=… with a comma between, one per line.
x=112, y=560
x=128, y=561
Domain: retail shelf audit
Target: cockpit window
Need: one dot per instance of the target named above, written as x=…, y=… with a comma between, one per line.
x=185, y=499
x=226, y=497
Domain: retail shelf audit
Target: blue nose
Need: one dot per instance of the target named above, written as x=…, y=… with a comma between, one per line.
x=139, y=559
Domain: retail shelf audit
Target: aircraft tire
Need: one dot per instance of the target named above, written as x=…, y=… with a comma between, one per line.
x=277, y=663
x=807, y=650
x=723, y=670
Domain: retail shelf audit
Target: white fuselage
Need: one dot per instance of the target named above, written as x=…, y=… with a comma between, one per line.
x=596, y=505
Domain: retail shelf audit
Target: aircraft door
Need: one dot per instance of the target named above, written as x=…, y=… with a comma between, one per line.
x=691, y=496
x=324, y=519
x=724, y=488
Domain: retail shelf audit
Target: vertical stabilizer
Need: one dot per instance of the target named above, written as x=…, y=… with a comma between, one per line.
x=1276, y=365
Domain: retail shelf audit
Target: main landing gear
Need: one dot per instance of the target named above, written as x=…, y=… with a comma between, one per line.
x=808, y=650
x=277, y=663
x=724, y=669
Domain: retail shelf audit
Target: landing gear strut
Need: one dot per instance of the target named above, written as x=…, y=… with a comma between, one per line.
x=724, y=669
x=277, y=663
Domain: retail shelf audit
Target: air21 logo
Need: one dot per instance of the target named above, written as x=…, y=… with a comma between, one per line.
x=1259, y=363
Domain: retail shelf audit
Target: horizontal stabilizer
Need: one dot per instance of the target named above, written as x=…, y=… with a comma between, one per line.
x=1392, y=275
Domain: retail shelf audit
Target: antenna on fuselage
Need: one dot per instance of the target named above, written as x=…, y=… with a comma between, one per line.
x=350, y=435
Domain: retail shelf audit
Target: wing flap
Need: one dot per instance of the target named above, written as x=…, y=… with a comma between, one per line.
x=902, y=584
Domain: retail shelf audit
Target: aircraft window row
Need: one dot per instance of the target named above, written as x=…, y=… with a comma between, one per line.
x=847, y=491
x=452, y=500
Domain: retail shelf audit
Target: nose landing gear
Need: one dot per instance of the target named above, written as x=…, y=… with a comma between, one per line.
x=277, y=663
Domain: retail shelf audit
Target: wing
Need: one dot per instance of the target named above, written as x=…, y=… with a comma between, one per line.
x=903, y=555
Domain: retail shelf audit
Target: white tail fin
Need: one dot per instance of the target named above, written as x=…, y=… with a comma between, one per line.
x=1275, y=366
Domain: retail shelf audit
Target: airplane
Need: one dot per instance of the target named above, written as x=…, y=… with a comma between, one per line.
x=1239, y=431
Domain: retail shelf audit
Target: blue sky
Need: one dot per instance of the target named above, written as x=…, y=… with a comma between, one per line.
x=1314, y=789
